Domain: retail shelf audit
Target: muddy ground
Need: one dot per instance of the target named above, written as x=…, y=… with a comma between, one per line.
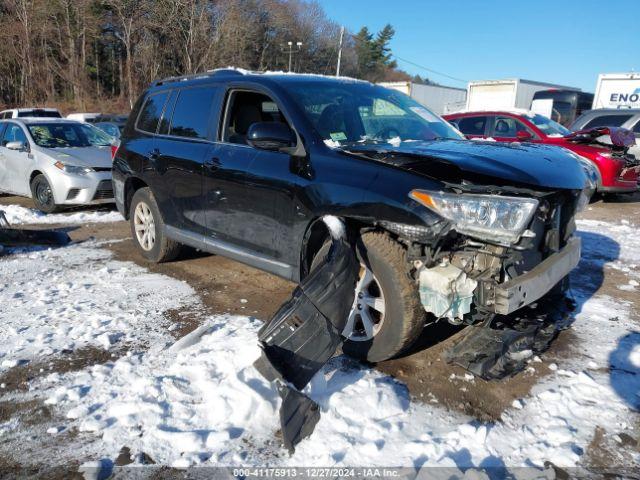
x=222, y=283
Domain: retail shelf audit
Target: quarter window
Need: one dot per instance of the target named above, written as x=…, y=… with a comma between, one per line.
x=472, y=125
x=151, y=112
x=191, y=113
x=13, y=133
x=607, y=121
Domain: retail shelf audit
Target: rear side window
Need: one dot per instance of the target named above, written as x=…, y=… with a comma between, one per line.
x=472, y=125
x=151, y=112
x=191, y=113
x=607, y=121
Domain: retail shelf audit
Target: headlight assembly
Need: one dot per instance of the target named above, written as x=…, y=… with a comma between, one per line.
x=72, y=169
x=489, y=217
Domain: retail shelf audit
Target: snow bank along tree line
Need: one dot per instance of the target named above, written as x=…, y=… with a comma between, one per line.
x=87, y=54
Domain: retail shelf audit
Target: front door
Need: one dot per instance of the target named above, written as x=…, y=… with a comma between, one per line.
x=238, y=208
x=16, y=163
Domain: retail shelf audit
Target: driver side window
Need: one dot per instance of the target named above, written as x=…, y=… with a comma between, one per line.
x=245, y=108
x=14, y=133
x=508, y=127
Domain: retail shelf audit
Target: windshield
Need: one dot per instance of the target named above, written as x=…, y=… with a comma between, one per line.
x=109, y=128
x=39, y=113
x=548, y=126
x=358, y=112
x=52, y=135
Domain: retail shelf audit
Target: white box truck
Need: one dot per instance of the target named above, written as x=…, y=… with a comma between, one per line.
x=505, y=94
x=617, y=90
x=437, y=98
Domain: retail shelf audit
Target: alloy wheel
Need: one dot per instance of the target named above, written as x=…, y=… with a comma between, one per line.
x=145, y=226
x=368, y=312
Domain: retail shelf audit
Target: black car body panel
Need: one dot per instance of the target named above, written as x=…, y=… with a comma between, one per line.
x=259, y=206
x=535, y=165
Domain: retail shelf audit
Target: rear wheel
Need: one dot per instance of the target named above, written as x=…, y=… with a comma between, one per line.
x=43, y=195
x=147, y=229
x=387, y=316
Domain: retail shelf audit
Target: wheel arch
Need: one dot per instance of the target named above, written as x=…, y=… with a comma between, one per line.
x=317, y=233
x=131, y=186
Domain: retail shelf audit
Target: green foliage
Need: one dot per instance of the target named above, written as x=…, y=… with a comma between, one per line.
x=373, y=52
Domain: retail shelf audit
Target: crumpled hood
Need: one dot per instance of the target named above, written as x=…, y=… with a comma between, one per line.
x=81, y=156
x=532, y=164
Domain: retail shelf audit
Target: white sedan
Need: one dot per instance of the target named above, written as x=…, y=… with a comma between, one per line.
x=57, y=162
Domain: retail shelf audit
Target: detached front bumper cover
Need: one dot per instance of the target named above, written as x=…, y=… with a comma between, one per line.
x=22, y=237
x=531, y=286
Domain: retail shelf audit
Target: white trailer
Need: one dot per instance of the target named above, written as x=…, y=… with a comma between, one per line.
x=617, y=90
x=505, y=94
x=437, y=98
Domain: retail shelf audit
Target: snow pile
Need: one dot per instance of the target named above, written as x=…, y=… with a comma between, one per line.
x=74, y=297
x=200, y=401
x=18, y=215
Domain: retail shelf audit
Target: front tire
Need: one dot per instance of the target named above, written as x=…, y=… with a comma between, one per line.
x=42, y=195
x=387, y=317
x=147, y=229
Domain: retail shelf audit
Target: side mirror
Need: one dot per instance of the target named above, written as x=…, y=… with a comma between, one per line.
x=523, y=136
x=273, y=136
x=19, y=146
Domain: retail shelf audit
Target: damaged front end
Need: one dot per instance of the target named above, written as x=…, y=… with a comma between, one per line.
x=306, y=331
x=495, y=266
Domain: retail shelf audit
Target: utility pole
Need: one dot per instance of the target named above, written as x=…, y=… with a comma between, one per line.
x=291, y=52
x=340, y=51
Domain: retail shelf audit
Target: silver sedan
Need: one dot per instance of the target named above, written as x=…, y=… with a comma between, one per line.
x=56, y=162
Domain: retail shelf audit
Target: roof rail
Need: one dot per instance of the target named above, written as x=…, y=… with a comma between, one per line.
x=207, y=74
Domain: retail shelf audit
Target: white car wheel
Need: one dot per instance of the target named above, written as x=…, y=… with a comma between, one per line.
x=145, y=226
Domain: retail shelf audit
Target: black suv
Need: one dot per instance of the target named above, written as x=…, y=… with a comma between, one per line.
x=245, y=165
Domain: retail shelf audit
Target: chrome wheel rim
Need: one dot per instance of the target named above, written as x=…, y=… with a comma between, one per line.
x=145, y=226
x=368, y=311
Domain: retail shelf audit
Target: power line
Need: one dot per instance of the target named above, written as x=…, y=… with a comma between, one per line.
x=429, y=69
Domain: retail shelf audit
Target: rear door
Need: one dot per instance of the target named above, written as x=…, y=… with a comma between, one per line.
x=476, y=126
x=4, y=183
x=180, y=148
x=17, y=164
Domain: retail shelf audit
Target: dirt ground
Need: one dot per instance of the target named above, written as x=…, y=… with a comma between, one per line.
x=222, y=283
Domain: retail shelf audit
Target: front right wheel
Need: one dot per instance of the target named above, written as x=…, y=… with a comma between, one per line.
x=42, y=195
x=387, y=316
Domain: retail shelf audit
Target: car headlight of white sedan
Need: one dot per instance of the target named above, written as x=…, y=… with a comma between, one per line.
x=493, y=218
x=73, y=169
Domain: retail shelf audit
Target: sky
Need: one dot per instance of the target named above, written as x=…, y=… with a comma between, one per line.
x=564, y=42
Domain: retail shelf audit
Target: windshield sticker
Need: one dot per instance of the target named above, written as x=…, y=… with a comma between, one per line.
x=424, y=113
x=338, y=136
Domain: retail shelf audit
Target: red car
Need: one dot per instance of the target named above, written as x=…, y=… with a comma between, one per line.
x=618, y=171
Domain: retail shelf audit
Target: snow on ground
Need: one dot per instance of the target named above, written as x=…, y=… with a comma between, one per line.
x=18, y=215
x=78, y=297
x=200, y=401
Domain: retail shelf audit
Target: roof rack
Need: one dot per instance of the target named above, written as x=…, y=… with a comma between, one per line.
x=195, y=76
